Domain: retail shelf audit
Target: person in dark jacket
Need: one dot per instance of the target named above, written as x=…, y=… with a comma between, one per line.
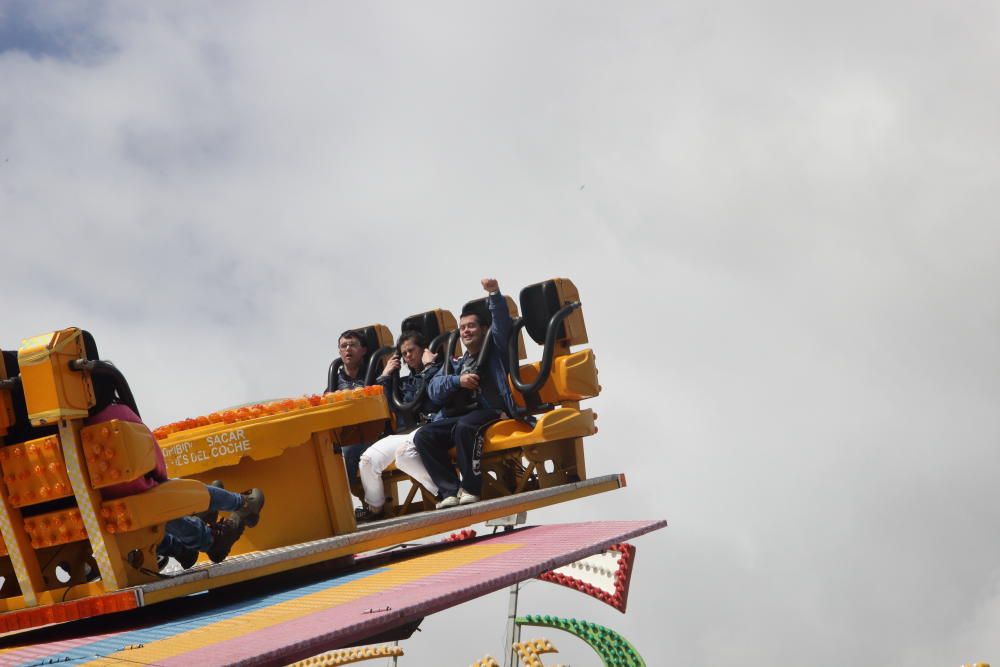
x=351, y=375
x=412, y=348
x=484, y=396
x=353, y=358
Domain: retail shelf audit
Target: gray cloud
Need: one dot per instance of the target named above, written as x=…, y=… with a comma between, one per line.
x=784, y=244
x=61, y=30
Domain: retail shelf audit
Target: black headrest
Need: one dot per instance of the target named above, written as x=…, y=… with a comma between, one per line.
x=539, y=302
x=479, y=307
x=10, y=363
x=425, y=323
x=370, y=337
x=89, y=345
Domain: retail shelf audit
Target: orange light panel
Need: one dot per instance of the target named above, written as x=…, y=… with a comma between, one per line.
x=117, y=452
x=24, y=619
x=34, y=472
x=63, y=527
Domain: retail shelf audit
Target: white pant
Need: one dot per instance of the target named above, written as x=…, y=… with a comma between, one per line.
x=375, y=459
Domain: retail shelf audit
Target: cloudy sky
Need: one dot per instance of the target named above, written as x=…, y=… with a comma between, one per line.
x=778, y=215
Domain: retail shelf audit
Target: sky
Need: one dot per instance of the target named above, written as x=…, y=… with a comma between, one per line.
x=778, y=215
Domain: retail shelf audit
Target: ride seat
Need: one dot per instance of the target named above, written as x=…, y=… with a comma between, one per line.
x=539, y=302
x=482, y=309
x=573, y=375
x=557, y=424
x=378, y=340
x=433, y=324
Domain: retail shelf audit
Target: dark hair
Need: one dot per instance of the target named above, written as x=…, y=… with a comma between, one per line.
x=416, y=337
x=355, y=334
x=483, y=319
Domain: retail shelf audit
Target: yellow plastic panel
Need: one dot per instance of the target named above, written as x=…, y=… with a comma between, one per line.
x=296, y=509
x=62, y=527
x=117, y=451
x=169, y=500
x=576, y=329
x=573, y=378
x=383, y=334
x=208, y=447
x=51, y=390
x=34, y=472
x=559, y=424
x=514, y=314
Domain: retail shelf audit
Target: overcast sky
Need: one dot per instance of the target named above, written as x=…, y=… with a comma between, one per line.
x=781, y=217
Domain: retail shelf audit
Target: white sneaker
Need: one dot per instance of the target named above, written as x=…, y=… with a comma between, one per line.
x=450, y=501
x=466, y=498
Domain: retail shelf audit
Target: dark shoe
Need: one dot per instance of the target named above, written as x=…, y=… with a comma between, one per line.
x=210, y=516
x=187, y=558
x=224, y=536
x=366, y=514
x=253, y=503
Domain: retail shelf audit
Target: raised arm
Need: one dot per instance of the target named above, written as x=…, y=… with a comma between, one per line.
x=502, y=324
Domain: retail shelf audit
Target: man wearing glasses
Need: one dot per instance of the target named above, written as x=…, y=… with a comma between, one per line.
x=353, y=357
x=351, y=375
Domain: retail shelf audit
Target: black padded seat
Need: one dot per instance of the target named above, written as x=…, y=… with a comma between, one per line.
x=425, y=323
x=481, y=308
x=370, y=337
x=539, y=302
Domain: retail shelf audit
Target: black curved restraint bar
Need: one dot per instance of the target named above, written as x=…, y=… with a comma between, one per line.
x=372, y=372
x=10, y=383
x=331, y=375
x=530, y=390
x=109, y=369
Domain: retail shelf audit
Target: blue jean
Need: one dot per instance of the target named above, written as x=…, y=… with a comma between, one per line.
x=352, y=460
x=434, y=440
x=190, y=532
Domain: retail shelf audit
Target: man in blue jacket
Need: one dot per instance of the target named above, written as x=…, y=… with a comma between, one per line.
x=484, y=396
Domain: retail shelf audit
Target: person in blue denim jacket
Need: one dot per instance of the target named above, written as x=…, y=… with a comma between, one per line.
x=412, y=349
x=486, y=397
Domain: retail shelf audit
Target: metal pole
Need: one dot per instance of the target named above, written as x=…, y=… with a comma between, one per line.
x=513, y=629
x=395, y=658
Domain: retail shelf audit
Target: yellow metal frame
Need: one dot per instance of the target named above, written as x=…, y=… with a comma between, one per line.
x=214, y=446
x=404, y=531
x=292, y=449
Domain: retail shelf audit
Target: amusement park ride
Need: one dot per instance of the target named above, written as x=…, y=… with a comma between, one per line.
x=80, y=581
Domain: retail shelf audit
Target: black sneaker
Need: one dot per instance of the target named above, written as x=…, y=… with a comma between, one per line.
x=365, y=514
x=225, y=533
x=253, y=503
x=210, y=516
x=187, y=558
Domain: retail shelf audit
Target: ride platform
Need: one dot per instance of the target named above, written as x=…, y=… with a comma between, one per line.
x=247, y=567
x=280, y=620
